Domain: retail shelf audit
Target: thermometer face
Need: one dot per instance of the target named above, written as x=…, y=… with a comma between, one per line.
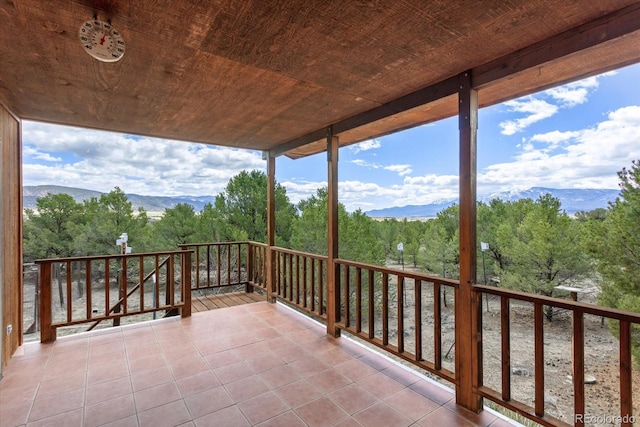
x=102, y=41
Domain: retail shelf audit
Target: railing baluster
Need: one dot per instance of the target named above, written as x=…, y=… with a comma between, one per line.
x=156, y=283
x=358, y=299
x=539, y=359
x=304, y=282
x=372, y=329
x=107, y=286
x=298, y=279
x=290, y=277
x=208, y=265
x=626, y=383
x=88, y=291
x=239, y=263
x=228, y=264
x=437, y=325
x=313, y=285
x=218, y=259
x=123, y=285
x=171, y=280
x=505, y=329
x=47, y=332
x=385, y=308
x=321, y=270
x=347, y=313
x=401, y=314
x=578, y=365
x=417, y=291
x=69, y=291
x=141, y=281
x=197, y=266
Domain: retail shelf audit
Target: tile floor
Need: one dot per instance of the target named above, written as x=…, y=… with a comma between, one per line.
x=256, y=364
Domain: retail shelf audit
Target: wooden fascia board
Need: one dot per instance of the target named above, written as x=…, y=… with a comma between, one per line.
x=590, y=34
x=412, y=100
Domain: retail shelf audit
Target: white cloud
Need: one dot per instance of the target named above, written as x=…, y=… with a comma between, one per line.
x=573, y=93
x=39, y=155
x=102, y=160
x=536, y=109
x=365, y=164
x=369, y=144
x=402, y=170
x=588, y=158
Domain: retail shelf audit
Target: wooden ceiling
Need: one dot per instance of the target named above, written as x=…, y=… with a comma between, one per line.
x=273, y=75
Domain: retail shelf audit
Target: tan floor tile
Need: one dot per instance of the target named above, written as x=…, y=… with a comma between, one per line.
x=108, y=390
x=321, y=413
x=411, y=404
x=168, y=415
x=57, y=404
x=200, y=382
x=353, y=398
x=227, y=417
x=66, y=419
x=208, y=401
x=109, y=410
x=156, y=396
x=262, y=408
x=246, y=388
x=298, y=393
x=382, y=415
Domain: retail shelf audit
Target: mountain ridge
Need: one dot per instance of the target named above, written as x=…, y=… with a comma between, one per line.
x=150, y=203
x=572, y=201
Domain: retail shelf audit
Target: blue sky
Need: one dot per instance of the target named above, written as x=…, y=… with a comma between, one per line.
x=573, y=136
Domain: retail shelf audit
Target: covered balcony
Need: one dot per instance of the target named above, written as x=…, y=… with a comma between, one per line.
x=288, y=78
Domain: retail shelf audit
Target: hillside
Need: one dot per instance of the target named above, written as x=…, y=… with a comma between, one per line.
x=149, y=203
x=573, y=200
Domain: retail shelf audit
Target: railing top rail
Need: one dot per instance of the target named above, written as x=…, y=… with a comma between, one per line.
x=251, y=242
x=305, y=254
x=190, y=245
x=408, y=274
x=612, y=313
x=112, y=256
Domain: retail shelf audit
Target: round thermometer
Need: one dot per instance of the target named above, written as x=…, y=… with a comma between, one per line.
x=102, y=41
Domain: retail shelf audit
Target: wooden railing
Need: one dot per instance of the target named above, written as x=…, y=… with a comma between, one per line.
x=257, y=265
x=301, y=280
x=392, y=310
x=98, y=288
x=218, y=264
x=626, y=322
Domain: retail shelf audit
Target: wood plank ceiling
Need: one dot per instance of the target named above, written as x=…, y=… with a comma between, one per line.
x=260, y=74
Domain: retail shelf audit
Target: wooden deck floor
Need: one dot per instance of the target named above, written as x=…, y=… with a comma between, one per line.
x=212, y=302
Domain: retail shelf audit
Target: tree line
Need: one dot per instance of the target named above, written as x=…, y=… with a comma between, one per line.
x=533, y=245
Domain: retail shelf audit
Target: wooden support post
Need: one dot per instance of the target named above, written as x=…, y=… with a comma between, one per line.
x=333, y=279
x=468, y=309
x=47, y=333
x=271, y=226
x=186, y=284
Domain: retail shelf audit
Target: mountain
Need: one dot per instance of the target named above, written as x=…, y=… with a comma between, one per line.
x=149, y=203
x=573, y=200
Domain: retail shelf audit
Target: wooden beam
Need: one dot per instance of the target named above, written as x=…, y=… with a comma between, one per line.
x=333, y=279
x=412, y=100
x=468, y=309
x=271, y=226
x=601, y=30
